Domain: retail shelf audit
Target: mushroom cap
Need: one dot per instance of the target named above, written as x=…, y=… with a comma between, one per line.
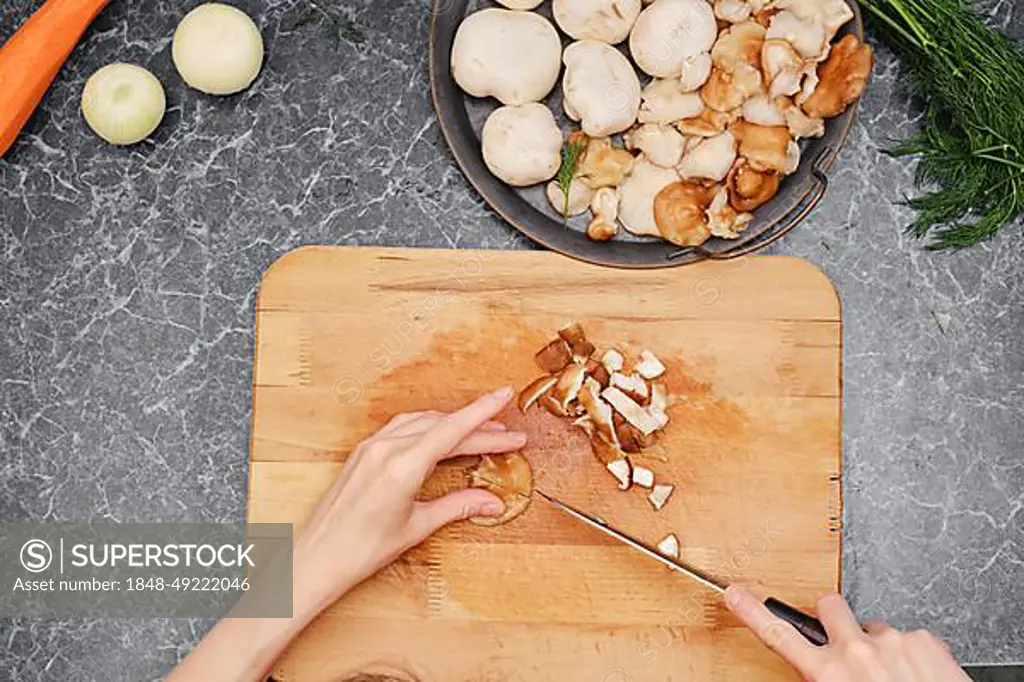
x=709, y=160
x=750, y=189
x=580, y=195
x=636, y=196
x=520, y=4
x=733, y=11
x=608, y=21
x=831, y=14
x=841, y=78
x=522, y=145
x=761, y=110
x=764, y=147
x=604, y=165
x=661, y=144
x=512, y=56
x=601, y=88
x=679, y=211
x=665, y=101
x=807, y=37
x=695, y=72
x=669, y=31
x=510, y=478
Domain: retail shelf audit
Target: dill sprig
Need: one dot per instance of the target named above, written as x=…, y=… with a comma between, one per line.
x=572, y=152
x=972, y=143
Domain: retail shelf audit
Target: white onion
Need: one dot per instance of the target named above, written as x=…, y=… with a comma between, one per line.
x=123, y=103
x=217, y=49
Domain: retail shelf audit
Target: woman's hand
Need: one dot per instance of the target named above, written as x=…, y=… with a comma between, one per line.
x=365, y=521
x=877, y=652
x=370, y=516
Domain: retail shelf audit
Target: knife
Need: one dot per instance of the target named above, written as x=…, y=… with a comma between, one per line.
x=807, y=625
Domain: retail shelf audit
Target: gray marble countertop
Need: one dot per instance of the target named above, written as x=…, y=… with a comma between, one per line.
x=128, y=277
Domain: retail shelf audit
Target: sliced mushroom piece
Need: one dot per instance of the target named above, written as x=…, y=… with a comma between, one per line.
x=622, y=470
x=728, y=90
x=831, y=14
x=554, y=357
x=710, y=160
x=660, y=143
x=842, y=78
x=649, y=367
x=669, y=546
x=658, y=497
x=598, y=411
x=510, y=478
x=750, y=189
x=643, y=477
x=679, y=213
x=669, y=31
x=800, y=124
x=710, y=123
x=608, y=21
x=695, y=72
x=601, y=376
x=782, y=67
x=574, y=335
x=585, y=424
x=633, y=413
x=532, y=393
x=604, y=165
x=630, y=440
x=659, y=397
x=762, y=111
x=550, y=404
x=632, y=385
x=764, y=147
x=568, y=386
x=580, y=196
x=739, y=45
x=811, y=81
x=613, y=360
x=601, y=87
x=809, y=38
x=733, y=11
x=792, y=158
x=637, y=195
x=666, y=101
x=723, y=220
x=605, y=207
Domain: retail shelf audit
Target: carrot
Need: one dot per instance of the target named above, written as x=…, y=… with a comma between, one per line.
x=31, y=59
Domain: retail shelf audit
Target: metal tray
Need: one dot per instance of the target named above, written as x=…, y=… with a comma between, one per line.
x=462, y=116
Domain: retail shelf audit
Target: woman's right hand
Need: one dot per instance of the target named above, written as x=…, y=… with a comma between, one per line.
x=874, y=653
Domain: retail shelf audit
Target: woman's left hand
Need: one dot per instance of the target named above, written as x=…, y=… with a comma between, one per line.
x=370, y=516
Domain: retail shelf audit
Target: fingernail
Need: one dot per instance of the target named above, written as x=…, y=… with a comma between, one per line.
x=503, y=393
x=492, y=508
x=519, y=436
x=733, y=597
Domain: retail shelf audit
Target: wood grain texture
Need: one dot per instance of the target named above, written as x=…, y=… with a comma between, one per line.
x=347, y=337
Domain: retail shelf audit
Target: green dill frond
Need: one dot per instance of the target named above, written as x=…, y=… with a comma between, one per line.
x=972, y=143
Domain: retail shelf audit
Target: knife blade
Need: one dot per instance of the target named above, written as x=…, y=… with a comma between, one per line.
x=807, y=625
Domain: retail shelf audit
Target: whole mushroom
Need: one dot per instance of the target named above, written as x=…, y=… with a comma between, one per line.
x=579, y=197
x=522, y=145
x=600, y=87
x=680, y=211
x=520, y=4
x=608, y=21
x=511, y=56
x=669, y=31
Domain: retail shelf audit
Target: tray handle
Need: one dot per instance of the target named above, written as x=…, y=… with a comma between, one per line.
x=775, y=233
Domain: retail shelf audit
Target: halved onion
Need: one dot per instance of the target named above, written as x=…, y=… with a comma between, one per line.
x=123, y=103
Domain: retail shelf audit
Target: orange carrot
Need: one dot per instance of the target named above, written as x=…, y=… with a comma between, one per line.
x=31, y=59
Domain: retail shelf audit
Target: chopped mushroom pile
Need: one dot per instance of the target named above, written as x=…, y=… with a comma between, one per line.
x=621, y=405
x=734, y=85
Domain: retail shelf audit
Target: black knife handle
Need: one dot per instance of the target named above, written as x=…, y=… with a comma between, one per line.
x=807, y=625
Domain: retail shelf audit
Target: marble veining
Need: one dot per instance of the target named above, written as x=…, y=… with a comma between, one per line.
x=128, y=281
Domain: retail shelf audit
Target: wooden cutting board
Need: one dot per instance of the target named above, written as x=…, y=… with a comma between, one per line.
x=347, y=337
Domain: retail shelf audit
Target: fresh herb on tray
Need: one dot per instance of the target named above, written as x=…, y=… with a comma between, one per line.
x=972, y=145
x=572, y=153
